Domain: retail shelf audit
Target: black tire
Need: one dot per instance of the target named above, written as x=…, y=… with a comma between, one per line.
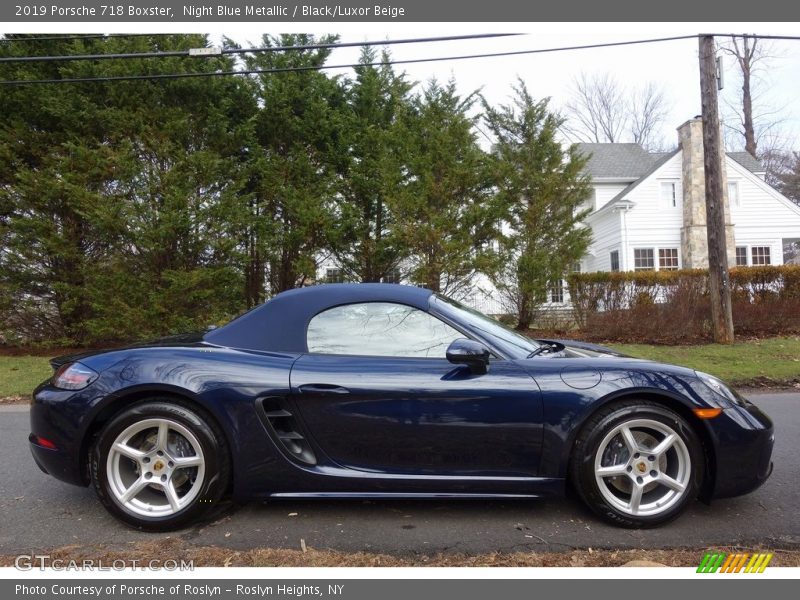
x=594, y=431
x=216, y=455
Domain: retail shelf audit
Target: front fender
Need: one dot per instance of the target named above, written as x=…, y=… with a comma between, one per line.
x=573, y=390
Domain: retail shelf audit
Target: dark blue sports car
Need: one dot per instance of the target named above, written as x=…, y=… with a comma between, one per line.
x=382, y=391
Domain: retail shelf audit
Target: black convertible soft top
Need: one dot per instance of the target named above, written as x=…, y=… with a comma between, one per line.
x=280, y=324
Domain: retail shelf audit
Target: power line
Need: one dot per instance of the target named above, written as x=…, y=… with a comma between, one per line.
x=88, y=36
x=791, y=38
x=341, y=66
x=320, y=46
x=377, y=63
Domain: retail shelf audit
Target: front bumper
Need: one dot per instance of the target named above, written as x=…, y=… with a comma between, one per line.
x=744, y=438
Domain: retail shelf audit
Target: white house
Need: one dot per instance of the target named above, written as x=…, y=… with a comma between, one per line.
x=649, y=209
x=648, y=213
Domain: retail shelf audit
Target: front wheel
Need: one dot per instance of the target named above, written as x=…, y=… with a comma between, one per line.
x=637, y=464
x=160, y=465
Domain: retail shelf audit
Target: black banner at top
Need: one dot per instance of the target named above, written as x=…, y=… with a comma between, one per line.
x=181, y=11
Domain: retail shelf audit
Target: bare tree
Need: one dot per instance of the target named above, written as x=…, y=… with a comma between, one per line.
x=596, y=112
x=748, y=53
x=750, y=116
x=777, y=164
x=751, y=119
x=604, y=110
x=790, y=178
x=648, y=110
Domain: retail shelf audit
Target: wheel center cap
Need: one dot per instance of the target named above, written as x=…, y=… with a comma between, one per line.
x=641, y=467
x=158, y=465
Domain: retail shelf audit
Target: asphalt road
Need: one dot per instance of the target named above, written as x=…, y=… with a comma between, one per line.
x=38, y=513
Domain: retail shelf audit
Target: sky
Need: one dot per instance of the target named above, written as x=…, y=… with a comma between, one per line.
x=673, y=65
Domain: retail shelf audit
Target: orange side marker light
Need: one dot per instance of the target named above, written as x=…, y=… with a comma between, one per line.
x=707, y=413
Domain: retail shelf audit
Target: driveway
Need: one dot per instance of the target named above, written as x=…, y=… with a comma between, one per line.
x=39, y=513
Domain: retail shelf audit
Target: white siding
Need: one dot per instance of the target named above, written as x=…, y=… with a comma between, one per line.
x=485, y=297
x=606, y=236
x=652, y=223
x=603, y=192
x=763, y=217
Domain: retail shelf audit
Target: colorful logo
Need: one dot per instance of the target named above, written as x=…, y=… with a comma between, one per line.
x=719, y=562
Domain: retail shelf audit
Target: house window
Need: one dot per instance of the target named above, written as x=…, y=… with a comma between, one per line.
x=668, y=259
x=643, y=259
x=392, y=276
x=615, y=261
x=733, y=194
x=333, y=275
x=741, y=256
x=557, y=292
x=760, y=255
x=669, y=194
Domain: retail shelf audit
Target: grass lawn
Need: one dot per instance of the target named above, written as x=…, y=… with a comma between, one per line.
x=754, y=362
x=20, y=374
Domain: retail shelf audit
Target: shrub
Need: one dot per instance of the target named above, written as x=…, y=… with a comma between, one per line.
x=673, y=306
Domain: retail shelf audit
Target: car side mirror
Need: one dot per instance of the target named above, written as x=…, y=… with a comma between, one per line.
x=471, y=353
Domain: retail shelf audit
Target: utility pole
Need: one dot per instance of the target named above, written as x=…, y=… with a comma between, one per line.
x=718, y=276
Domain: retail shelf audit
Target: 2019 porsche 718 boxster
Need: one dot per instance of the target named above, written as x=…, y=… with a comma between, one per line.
x=380, y=390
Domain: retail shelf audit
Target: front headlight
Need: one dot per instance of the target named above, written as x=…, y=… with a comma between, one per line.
x=717, y=386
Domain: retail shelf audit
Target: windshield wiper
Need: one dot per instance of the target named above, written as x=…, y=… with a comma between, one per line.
x=546, y=348
x=538, y=350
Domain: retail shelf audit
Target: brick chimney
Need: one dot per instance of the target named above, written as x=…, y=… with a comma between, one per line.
x=694, y=240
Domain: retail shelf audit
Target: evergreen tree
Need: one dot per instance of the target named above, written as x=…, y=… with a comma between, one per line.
x=292, y=174
x=114, y=191
x=363, y=238
x=444, y=213
x=541, y=188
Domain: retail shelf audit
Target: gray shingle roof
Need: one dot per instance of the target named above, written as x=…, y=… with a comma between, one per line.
x=631, y=161
x=626, y=161
x=748, y=161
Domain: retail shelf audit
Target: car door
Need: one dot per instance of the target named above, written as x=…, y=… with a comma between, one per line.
x=376, y=393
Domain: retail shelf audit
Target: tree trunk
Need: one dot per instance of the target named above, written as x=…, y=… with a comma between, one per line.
x=747, y=99
x=434, y=282
x=523, y=312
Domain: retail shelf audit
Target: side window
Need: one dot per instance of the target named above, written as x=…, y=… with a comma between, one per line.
x=669, y=194
x=379, y=329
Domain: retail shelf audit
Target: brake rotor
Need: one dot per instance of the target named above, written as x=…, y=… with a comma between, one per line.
x=617, y=453
x=177, y=446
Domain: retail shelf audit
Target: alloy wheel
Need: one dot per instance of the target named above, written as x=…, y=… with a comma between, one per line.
x=642, y=467
x=155, y=467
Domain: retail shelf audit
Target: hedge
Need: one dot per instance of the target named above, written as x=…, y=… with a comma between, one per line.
x=673, y=306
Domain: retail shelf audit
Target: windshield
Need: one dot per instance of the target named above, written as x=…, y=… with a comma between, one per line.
x=515, y=342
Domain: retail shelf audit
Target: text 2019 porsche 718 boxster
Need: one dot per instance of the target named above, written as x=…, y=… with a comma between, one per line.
x=383, y=390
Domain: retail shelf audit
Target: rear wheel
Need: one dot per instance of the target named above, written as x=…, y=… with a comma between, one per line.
x=637, y=464
x=160, y=465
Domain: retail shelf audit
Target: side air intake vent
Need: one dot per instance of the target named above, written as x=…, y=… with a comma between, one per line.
x=283, y=427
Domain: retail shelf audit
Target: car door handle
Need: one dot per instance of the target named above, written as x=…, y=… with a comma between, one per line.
x=322, y=388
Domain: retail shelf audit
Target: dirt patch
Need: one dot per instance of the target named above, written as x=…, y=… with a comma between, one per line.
x=765, y=384
x=15, y=400
x=211, y=556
